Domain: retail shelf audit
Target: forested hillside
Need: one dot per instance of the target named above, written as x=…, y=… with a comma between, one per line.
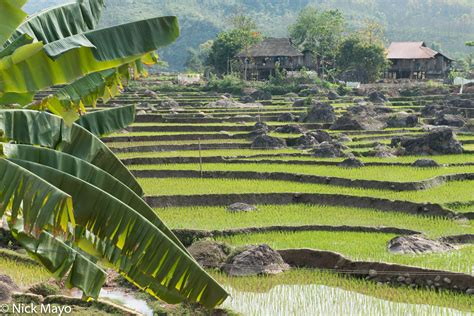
x=447, y=23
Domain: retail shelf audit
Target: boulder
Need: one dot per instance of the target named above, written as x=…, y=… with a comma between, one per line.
x=377, y=97
x=225, y=103
x=333, y=95
x=241, y=207
x=141, y=112
x=209, y=253
x=425, y=163
x=247, y=99
x=320, y=135
x=402, y=120
x=349, y=122
x=308, y=91
x=461, y=103
x=305, y=141
x=351, y=163
x=268, y=142
x=449, y=120
x=319, y=113
x=329, y=150
x=261, y=95
x=261, y=125
x=382, y=151
x=417, y=245
x=431, y=110
x=286, y=117
x=255, y=260
x=299, y=103
x=170, y=103
x=150, y=94
x=290, y=129
x=439, y=142
x=343, y=138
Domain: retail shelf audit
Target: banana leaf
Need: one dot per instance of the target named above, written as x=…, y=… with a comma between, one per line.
x=135, y=245
x=11, y=16
x=47, y=130
x=61, y=21
x=30, y=68
x=108, y=121
x=91, y=174
x=60, y=259
x=22, y=40
x=38, y=203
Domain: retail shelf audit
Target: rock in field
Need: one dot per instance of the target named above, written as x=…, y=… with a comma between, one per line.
x=209, y=253
x=286, y=117
x=351, y=163
x=320, y=135
x=377, y=97
x=268, y=142
x=255, y=260
x=425, y=163
x=241, y=207
x=290, y=129
x=333, y=95
x=417, y=245
x=319, y=113
x=305, y=141
x=439, y=142
x=261, y=95
x=329, y=150
x=449, y=120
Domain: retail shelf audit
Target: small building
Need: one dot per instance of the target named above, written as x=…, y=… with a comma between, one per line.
x=260, y=61
x=414, y=60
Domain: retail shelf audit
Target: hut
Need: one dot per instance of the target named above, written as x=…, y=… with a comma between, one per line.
x=414, y=60
x=261, y=61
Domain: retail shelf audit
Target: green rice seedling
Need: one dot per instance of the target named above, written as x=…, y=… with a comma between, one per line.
x=460, y=191
x=382, y=173
x=208, y=153
x=211, y=218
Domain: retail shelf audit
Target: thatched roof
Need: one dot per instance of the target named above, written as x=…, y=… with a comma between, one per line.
x=411, y=50
x=272, y=47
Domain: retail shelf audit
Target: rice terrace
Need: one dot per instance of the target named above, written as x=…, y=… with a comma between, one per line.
x=270, y=176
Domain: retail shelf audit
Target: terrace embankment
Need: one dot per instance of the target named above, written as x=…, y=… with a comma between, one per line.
x=426, y=209
x=379, y=271
x=188, y=236
x=303, y=178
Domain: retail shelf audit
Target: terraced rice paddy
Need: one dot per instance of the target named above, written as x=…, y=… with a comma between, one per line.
x=352, y=211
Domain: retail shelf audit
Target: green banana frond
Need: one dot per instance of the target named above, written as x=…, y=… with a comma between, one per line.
x=37, y=66
x=47, y=130
x=134, y=245
x=61, y=260
x=91, y=174
x=38, y=204
x=11, y=15
x=61, y=21
x=108, y=121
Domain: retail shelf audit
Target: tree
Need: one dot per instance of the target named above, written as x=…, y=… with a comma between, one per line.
x=230, y=43
x=364, y=60
x=319, y=32
x=68, y=200
x=196, y=60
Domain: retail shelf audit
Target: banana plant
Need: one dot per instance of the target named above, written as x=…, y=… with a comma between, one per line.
x=68, y=200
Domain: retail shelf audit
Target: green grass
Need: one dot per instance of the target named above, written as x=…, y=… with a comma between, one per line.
x=207, y=153
x=262, y=284
x=385, y=173
x=359, y=246
x=177, y=142
x=131, y=134
x=23, y=273
x=460, y=191
x=210, y=218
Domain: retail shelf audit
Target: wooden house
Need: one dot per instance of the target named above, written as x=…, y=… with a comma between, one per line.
x=414, y=60
x=260, y=61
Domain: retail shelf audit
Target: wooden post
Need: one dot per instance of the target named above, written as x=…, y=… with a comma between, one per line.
x=200, y=157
